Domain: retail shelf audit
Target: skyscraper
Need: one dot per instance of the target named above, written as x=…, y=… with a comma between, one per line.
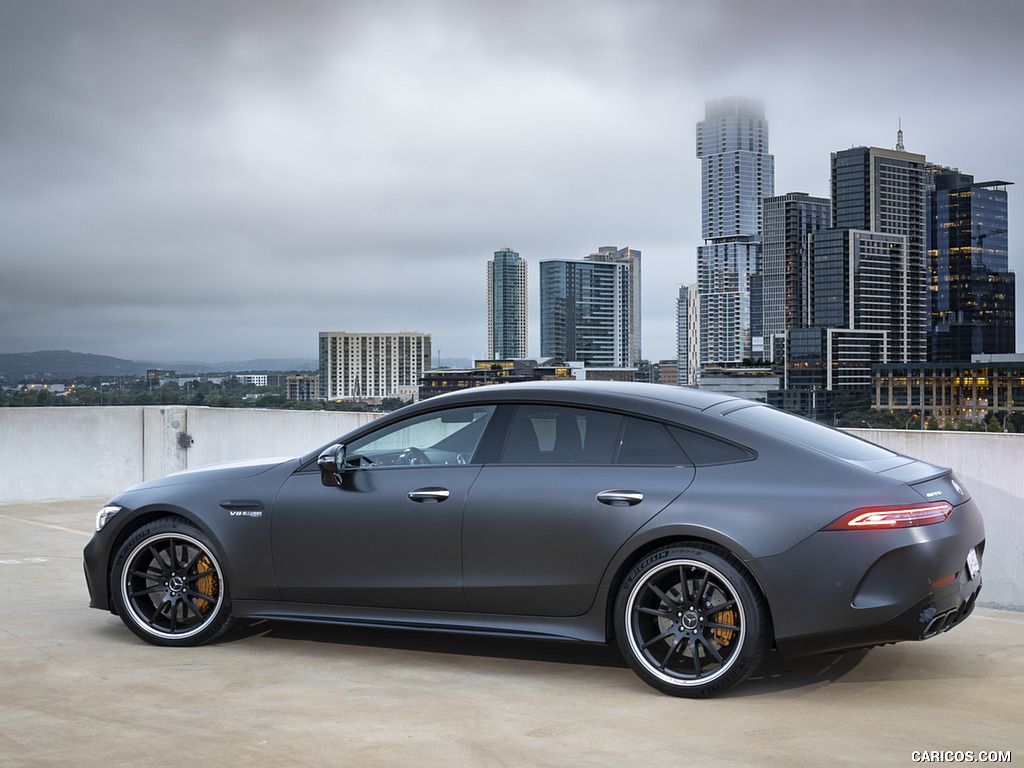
x=506, y=306
x=789, y=221
x=881, y=191
x=630, y=256
x=867, y=301
x=971, y=296
x=586, y=309
x=737, y=172
x=688, y=334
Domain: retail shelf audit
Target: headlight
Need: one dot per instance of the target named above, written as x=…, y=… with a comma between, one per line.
x=104, y=516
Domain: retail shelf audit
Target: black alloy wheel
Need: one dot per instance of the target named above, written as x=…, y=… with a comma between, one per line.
x=690, y=622
x=168, y=587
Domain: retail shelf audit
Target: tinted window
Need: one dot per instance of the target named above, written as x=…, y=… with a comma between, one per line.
x=543, y=434
x=704, y=449
x=810, y=433
x=648, y=442
x=443, y=437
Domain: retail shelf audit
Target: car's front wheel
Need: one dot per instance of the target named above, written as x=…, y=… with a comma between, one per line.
x=167, y=585
x=690, y=622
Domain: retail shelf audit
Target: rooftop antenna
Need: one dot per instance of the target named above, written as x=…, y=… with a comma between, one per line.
x=899, y=137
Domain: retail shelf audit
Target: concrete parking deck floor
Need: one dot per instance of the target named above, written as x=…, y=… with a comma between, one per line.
x=79, y=689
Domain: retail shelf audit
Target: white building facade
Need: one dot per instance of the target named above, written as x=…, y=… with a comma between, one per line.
x=359, y=366
x=688, y=335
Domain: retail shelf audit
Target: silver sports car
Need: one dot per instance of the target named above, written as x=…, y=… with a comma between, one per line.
x=695, y=530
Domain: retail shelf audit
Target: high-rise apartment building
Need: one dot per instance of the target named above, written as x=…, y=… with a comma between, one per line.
x=303, y=388
x=631, y=257
x=506, y=306
x=972, y=290
x=355, y=366
x=586, y=309
x=688, y=335
x=737, y=173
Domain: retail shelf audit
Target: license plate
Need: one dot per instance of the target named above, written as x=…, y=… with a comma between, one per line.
x=973, y=566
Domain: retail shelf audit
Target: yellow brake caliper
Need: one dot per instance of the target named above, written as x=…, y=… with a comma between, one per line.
x=722, y=635
x=207, y=584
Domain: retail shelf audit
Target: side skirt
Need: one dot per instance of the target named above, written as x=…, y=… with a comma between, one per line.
x=588, y=628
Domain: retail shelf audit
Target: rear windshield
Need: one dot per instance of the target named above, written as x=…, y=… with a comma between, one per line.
x=809, y=433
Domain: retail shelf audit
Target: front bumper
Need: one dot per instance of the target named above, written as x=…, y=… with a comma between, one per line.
x=95, y=562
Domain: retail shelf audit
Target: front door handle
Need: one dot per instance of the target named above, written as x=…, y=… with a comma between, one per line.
x=429, y=495
x=620, y=498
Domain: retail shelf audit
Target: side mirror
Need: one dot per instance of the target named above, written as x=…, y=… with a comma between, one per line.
x=331, y=463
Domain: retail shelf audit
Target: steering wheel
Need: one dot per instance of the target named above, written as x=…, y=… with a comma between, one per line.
x=412, y=455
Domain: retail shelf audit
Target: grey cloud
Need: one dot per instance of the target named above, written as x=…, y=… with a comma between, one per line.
x=225, y=179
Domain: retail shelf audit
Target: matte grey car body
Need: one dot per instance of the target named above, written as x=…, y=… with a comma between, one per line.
x=696, y=530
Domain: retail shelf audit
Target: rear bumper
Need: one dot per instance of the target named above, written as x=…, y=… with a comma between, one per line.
x=844, y=590
x=928, y=618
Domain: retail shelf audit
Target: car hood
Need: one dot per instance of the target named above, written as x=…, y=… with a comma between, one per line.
x=229, y=470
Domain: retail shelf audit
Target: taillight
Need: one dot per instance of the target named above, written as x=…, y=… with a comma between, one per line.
x=881, y=518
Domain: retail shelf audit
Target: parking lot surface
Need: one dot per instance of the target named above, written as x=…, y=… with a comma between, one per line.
x=80, y=689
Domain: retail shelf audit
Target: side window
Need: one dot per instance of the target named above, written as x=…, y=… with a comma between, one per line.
x=442, y=437
x=704, y=449
x=648, y=442
x=544, y=434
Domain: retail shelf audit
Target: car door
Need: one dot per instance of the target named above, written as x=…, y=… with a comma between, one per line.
x=391, y=535
x=573, y=484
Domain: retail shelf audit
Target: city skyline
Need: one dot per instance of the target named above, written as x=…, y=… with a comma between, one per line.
x=220, y=181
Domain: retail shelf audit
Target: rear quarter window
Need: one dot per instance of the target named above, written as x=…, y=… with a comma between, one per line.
x=705, y=450
x=649, y=442
x=810, y=433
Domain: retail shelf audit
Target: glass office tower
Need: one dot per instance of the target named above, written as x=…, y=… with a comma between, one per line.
x=972, y=294
x=882, y=192
x=789, y=220
x=865, y=302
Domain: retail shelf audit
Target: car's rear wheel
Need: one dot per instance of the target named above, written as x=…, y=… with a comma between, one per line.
x=690, y=621
x=168, y=587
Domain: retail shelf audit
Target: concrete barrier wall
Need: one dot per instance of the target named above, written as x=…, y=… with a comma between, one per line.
x=62, y=453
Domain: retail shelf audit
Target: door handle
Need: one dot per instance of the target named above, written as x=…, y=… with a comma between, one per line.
x=620, y=498
x=429, y=495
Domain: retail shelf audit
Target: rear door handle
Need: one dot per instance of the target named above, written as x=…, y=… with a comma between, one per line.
x=620, y=498
x=429, y=495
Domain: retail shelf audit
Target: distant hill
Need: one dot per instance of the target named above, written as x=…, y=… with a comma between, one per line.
x=259, y=364
x=456, y=362
x=63, y=364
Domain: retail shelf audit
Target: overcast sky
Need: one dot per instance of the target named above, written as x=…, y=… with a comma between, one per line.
x=221, y=179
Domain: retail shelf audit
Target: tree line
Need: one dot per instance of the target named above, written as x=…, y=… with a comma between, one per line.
x=228, y=393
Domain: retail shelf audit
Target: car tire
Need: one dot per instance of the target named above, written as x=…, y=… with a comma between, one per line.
x=690, y=621
x=168, y=586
